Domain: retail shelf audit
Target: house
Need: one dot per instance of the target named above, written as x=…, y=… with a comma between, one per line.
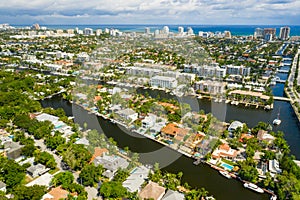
x=173, y=131
x=274, y=167
x=173, y=195
x=244, y=137
x=263, y=135
x=2, y=186
x=149, y=121
x=98, y=152
x=134, y=182
x=83, y=141
x=111, y=163
x=224, y=151
x=12, y=150
x=44, y=180
x=234, y=125
x=128, y=114
x=56, y=194
x=152, y=191
x=36, y=170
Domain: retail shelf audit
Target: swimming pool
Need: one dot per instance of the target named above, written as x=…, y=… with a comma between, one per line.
x=227, y=166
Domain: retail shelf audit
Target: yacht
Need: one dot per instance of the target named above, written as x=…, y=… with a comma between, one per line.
x=277, y=121
x=254, y=187
x=274, y=197
x=226, y=174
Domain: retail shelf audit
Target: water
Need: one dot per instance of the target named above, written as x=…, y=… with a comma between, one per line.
x=151, y=152
x=235, y=29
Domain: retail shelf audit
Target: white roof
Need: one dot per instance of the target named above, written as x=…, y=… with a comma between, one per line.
x=173, y=195
x=43, y=180
x=46, y=117
x=136, y=179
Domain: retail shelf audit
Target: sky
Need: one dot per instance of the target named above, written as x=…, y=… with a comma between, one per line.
x=230, y=12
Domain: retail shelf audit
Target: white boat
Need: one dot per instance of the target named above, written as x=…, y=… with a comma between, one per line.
x=274, y=197
x=277, y=121
x=226, y=174
x=253, y=187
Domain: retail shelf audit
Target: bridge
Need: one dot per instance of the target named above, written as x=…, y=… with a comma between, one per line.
x=281, y=98
x=283, y=71
x=280, y=81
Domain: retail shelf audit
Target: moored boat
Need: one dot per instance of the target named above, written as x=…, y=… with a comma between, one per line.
x=226, y=174
x=253, y=187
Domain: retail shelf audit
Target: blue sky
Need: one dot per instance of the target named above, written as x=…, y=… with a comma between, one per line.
x=150, y=12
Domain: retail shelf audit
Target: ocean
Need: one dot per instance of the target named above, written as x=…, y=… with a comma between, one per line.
x=234, y=29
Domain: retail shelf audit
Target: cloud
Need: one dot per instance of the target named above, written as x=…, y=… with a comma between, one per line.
x=154, y=11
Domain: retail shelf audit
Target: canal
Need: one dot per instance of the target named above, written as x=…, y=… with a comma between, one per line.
x=197, y=176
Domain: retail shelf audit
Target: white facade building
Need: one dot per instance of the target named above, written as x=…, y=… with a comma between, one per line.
x=212, y=87
x=164, y=82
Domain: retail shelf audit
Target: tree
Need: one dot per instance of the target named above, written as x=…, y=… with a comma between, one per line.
x=90, y=174
x=63, y=178
x=11, y=172
x=76, y=156
x=121, y=175
x=53, y=142
x=112, y=190
x=45, y=158
x=35, y=192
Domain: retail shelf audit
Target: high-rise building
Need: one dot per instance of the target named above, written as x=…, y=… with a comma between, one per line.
x=180, y=29
x=284, y=33
x=227, y=34
x=36, y=26
x=269, y=33
x=259, y=33
x=147, y=30
x=88, y=31
x=166, y=30
x=190, y=31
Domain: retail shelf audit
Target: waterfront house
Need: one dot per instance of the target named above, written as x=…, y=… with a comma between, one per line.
x=173, y=195
x=234, y=125
x=137, y=177
x=274, y=167
x=224, y=151
x=245, y=136
x=173, y=131
x=263, y=135
x=2, y=187
x=152, y=191
x=157, y=127
x=128, y=114
x=149, y=121
x=37, y=170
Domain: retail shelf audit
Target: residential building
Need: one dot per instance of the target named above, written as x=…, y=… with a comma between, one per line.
x=152, y=191
x=206, y=71
x=83, y=141
x=147, y=30
x=143, y=71
x=180, y=30
x=88, y=31
x=134, y=182
x=284, y=33
x=149, y=121
x=224, y=151
x=259, y=33
x=163, y=82
x=173, y=195
x=208, y=86
x=128, y=114
x=190, y=31
x=2, y=187
x=227, y=34
x=56, y=193
x=111, y=163
x=12, y=149
x=269, y=33
x=98, y=152
x=263, y=135
x=173, y=131
x=274, y=167
x=44, y=180
x=238, y=70
x=37, y=170
x=234, y=125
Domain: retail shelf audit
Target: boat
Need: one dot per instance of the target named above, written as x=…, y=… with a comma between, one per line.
x=274, y=197
x=253, y=187
x=277, y=121
x=226, y=174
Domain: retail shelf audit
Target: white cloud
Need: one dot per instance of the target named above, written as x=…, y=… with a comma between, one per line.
x=154, y=11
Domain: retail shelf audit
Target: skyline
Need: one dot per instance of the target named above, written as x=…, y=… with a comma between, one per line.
x=214, y=12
